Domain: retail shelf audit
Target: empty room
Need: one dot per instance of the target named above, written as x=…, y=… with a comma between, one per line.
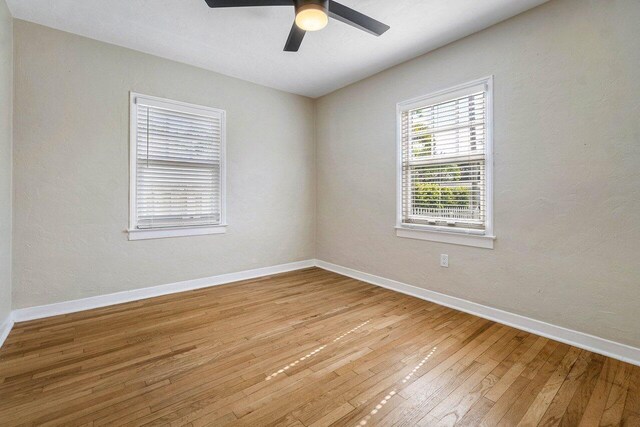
x=320, y=213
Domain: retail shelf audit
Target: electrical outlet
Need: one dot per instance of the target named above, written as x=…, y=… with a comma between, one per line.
x=444, y=260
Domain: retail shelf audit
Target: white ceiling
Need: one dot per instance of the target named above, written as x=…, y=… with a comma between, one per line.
x=247, y=42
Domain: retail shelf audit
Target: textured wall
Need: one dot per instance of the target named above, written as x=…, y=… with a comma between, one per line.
x=71, y=171
x=6, y=103
x=567, y=180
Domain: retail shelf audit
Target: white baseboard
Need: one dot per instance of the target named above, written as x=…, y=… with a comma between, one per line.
x=38, y=312
x=5, y=328
x=592, y=343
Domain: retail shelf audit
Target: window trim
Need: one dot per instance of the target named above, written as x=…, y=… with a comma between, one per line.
x=141, y=234
x=463, y=236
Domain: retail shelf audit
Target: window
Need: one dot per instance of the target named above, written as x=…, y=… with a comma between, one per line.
x=177, y=169
x=445, y=166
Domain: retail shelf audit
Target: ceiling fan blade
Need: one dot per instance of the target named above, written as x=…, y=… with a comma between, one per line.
x=241, y=3
x=356, y=19
x=295, y=39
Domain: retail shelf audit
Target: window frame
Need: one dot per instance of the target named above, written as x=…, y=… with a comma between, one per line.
x=156, y=233
x=437, y=233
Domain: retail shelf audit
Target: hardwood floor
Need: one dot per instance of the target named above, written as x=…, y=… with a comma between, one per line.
x=307, y=348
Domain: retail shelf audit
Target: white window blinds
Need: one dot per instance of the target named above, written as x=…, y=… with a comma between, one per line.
x=178, y=168
x=444, y=160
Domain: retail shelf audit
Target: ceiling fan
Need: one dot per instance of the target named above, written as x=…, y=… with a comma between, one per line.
x=311, y=15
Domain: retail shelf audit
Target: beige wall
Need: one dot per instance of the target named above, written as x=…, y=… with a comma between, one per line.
x=6, y=103
x=567, y=181
x=71, y=171
x=567, y=174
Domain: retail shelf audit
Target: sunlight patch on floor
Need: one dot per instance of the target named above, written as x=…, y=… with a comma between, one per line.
x=393, y=392
x=314, y=352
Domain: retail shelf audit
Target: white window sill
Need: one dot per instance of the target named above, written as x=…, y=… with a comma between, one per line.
x=454, y=238
x=161, y=233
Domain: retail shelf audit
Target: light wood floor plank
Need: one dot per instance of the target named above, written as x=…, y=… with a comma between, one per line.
x=305, y=348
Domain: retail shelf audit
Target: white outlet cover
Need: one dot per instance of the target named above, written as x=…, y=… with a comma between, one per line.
x=444, y=260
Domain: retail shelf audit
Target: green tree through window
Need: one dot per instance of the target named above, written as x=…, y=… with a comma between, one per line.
x=434, y=186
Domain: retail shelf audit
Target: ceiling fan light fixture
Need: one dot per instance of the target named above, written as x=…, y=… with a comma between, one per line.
x=311, y=16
